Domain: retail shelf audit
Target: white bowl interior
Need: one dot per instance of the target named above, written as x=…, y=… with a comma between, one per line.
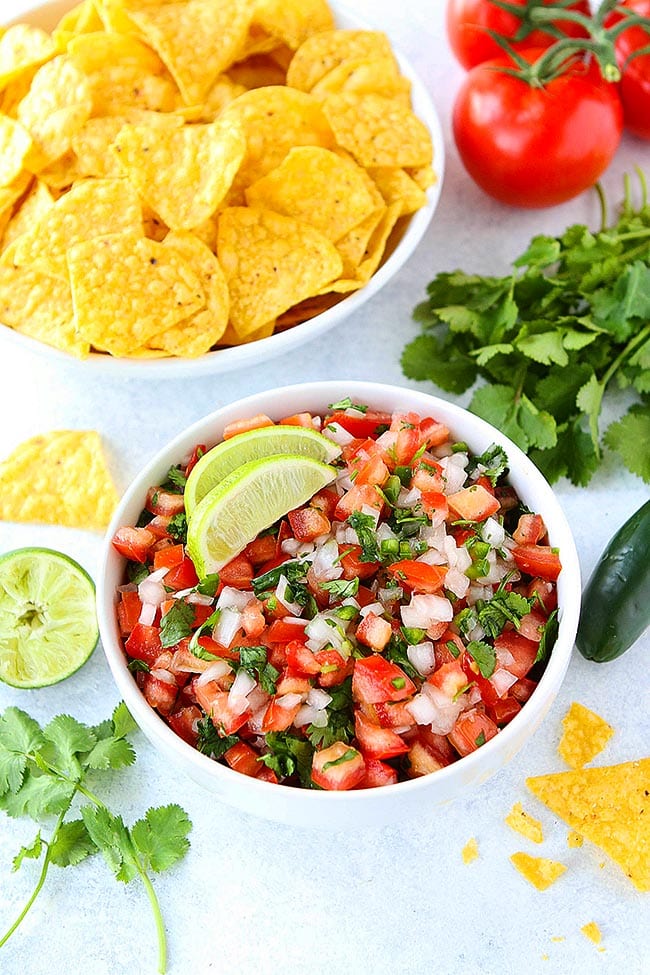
x=371, y=806
x=224, y=360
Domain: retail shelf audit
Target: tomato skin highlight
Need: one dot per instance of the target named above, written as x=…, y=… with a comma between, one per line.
x=469, y=20
x=634, y=86
x=536, y=147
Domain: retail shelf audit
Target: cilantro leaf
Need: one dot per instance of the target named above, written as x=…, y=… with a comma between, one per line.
x=31, y=852
x=72, y=844
x=341, y=588
x=254, y=661
x=110, y=753
x=177, y=623
x=483, y=655
x=177, y=527
x=627, y=437
x=340, y=725
x=289, y=755
x=549, y=636
x=161, y=836
x=67, y=738
x=364, y=526
x=210, y=742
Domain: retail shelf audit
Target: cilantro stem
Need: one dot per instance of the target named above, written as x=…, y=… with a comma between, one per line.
x=157, y=914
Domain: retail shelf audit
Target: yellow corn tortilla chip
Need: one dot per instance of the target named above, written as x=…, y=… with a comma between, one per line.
x=395, y=184
x=271, y=262
x=574, y=840
x=293, y=21
x=522, y=822
x=469, y=852
x=585, y=735
x=592, y=932
x=610, y=806
x=58, y=478
x=127, y=288
x=197, y=40
x=257, y=71
x=424, y=176
x=182, y=173
x=378, y=131
x=56, y=106
x=117, y=87
x=82, y=19
x=353, y=246
x=93, y=52
x=318, y=186
x=40, y=307
x=223, y=91
x=323, y=52
x=231, y=337
x=15, y=143
x=23, y=47
x=362, y=76
x=61, y=174
x=373, y=253
x=32, y=208
x=196, y=335
x=10, y=195
x=92, y=208
x=538, y=871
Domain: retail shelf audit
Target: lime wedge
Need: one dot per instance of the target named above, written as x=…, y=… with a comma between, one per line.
x=253, y=445
x=48, y=626
x=246, y=502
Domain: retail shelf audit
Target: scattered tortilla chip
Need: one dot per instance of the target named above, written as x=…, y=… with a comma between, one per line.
x=23, y=47
x=585, y=735
x=610, y=806
x=118, y=87
x=592, y=931
x=271, y=262
x=56, y=106
x=323, y=52
x=470, y=851
x=40, y=306
x=522, y=822
x=93, y=52
x=538, y=871
x=574, y=840
x=127, y=288
x=318, y=186
x=353, y=246
x=378, y=131
x=183, y=173
x=231, y=337
x=92, y=208
x=61, y=174
x=58, y=478
x=293, y=21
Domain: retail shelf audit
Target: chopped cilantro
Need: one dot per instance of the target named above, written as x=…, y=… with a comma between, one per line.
x=254, y=661
x=136, y=665
x=480, y=739
x=395, y=651
x=483, y=655
x=492, y=463
x=341, y=588
x=195, y=647
x=549, y=636
x=136, y=572
x=347, y=756
x=340, y=725
x=209, y=584
x=175, y=481
x=364, y=526
x=288, y=755
x=177, y=623
x=210, y=742
x=502, y=608
x=347, y=404
x=453, y=648
x=177, y=527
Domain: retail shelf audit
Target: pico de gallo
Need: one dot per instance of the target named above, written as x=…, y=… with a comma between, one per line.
x=389, y=627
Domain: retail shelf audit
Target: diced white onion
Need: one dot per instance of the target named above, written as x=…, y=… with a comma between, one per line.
x=242, y=685
x=199, y=599
x=388, y=596
x=324, y=563
x=151, y=591
x=423, y=657
x=493, y=532
x=296, y=547
x=502, y=680
x=282, y=597
x=453, y=474
x=375, y=608
x=237, y=704
x=433, y=536
x=446, y=711
x=408, y=498
x=387, y=439
x=158, y=574
x=306, y=715
x=257, y=718
x=385, y=532
x=422, y=709
x=337, y=433
x=288, y=701
x=216, y=670
x=163, y=675
x=371, y=512
x=432, y=557
x=228, y=624
x=425, y=609
x=457, y=582
x=504, y=658
x=231, y=598
x=147, y=614
x=318, y=698
x=345, y=535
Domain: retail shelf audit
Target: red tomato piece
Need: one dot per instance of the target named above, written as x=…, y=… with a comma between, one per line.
x=374, y=631
x=183, y=722
x=353, y=567
x=128, y=611
x=144, y=643
x=523, y=689
x=242, y=758
x=182, y=576
x=376, y=679
x=243, y=426
x=504, y=710
x=308, y=523
x=278, y=718
x=433, y=432
x=133, y=543
x=522, y=651
x=238, y=573
x=368, y=424
x=338, y=768
x=260, y=550
x=530, y=530
x=435, y=502
x=377, y=774
x=450, y=678
x=298, y=420
x=214, y=702
x=375, y=741
x=473, y=503
x=164, y=503
x=195, y=456
x=300, y=657
x=359, y=496
x=160, y=691
x=168, y=557
x=472, y=730
x=333, y=668
x=325, y=502
x=418, y=576
x=538, y=560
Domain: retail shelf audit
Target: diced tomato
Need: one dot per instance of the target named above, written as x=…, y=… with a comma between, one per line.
x=158, y=526
x=368, y=424
x=260, y=550
x=429, y=753
x=195, y=456
x=144, y=643
x=281, y=631
x=522, y=690
x=293, y=681
x=374, y=631
x=128, y=611
x=504, y=710
x=532, y=625
x=266, y=774
x=325, y=502
x=450, y=678
x=300, y=658
x=242, y=758
x=407, y=444
x=214, y=702
x=333, y=668
x=217, y=649
x=376, y=679
x=365, y=596
x=350, y=559
x=375, y=741
x=277, y=717
x=438, y=745
x=545, y=592
x=373, y=471
x=390, y=714
x=238, y=573
x=538, y=560
x=133, y=543
x=183, y=722
x=338, y=768
x=243, y=426
x=433, y=432
x=359, y=496
x=252, y=618
x=522, y=651
x=160, y=690
x=443, y=654
x=299, y=420
x=377, y=774
x=530, y=529
x=169, y=557
x=308, y=523
x=164, y=503
x=473, y=503
x=472, y=730
x=419, y=576
x=435, y=503
x=182, y=576
x=473, y=675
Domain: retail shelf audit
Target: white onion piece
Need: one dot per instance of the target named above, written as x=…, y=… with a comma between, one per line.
x=305, y=715
x=321, y=633
x=387, y=439
x=408, y=498
x=128, y=587
x=152, y=591
x=375, y=608
x=446, y=711
x=318, y=699
x=457, y=582
x=502, y=680
x=493, y=532
x=371, y=512
x=231, y=598
x=147, y=614
x=432, y=557
x=242, y=685
x=453, y=474
x=474, y=696
x=237, y=704
x=387, y=596
x=199, y=599
x=433, y=536
x=228, y=625
x=163, y=675
x=425, y=609
x=422, y=709
x=423, y=657
x=504, y=658
x=282, y=597
x=345, y=535
x=216, y=670
x=296, y=547
x=385, y=532
x=476, y=592
x=325, y=564
x=337, y=433
x=288, y=701
x=158, y=574
x=257, y=718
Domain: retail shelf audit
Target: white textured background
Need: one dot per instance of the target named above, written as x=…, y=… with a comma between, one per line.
x=253, y=897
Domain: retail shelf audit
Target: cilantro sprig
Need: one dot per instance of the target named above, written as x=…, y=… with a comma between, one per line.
x=43, y=770
x=550, y=338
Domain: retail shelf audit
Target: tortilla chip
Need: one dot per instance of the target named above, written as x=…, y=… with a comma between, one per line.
x=522, y=822
x=378, y=131
x=22, y=48
x=574, y=840
x=54, y=109
x=15, y=143
x=182, y=173
x=58, y=478
x=354, y=245
x=118, y=87
x=82, y=19
x=538, y=871
x=610, y=806
x=40, y=307
x=92, y=208
x=293, y=21
x=395, y=185
x=223, y=91
x=469, y=852
x=257, y=71
x=93, y=52
x=33, y=207
x=323, y=52
x=592, y=932
x=271, y=262
x=363, y=76
x=585, y=735
x=127, y=288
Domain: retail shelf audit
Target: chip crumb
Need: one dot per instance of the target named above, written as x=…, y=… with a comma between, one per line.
x=470, y=851
x=592, y=931
x=522, y=822
x=538, y=871
x=585, y=735
x=574, y=839
x=558, y=937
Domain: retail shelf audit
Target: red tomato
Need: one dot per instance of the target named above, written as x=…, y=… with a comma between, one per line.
x=128, y=611
x=523, y=651
x=375, y=741
x=144, y=643
x=360, y=425
x=338, y=767
x=468, y=22
x=133, y=543
x=376, y=680
x=183, y=722
x=242, y=758
x=536, y=147
x=538, y=560
x=164, y=503
x=472, y=730
x=378, y=773
x=419, y=575
x=634, y=87
x=182, y=576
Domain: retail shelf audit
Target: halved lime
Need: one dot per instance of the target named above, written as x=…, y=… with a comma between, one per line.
x=253, y=445
x=48, y=625
x=246, y=502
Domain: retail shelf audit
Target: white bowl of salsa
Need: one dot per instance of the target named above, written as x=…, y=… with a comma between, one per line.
x=466, y=686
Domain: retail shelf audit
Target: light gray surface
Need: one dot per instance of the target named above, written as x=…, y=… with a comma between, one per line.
x=255, y=897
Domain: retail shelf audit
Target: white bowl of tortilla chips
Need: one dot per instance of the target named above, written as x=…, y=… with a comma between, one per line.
x=170, y=205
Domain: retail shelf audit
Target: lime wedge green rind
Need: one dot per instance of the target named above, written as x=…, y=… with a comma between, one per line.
x=48, y=622
x=222, y=460
x=250, y=499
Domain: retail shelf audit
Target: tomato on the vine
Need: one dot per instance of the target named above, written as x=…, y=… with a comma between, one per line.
x=468, y=22
x=531, y=145
x=634, y=87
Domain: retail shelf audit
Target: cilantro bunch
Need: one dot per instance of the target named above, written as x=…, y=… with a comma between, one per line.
x=571, y=319
x=43, y=771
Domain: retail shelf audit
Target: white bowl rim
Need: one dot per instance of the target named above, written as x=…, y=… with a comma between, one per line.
x=532, y=711
x=253, y=353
